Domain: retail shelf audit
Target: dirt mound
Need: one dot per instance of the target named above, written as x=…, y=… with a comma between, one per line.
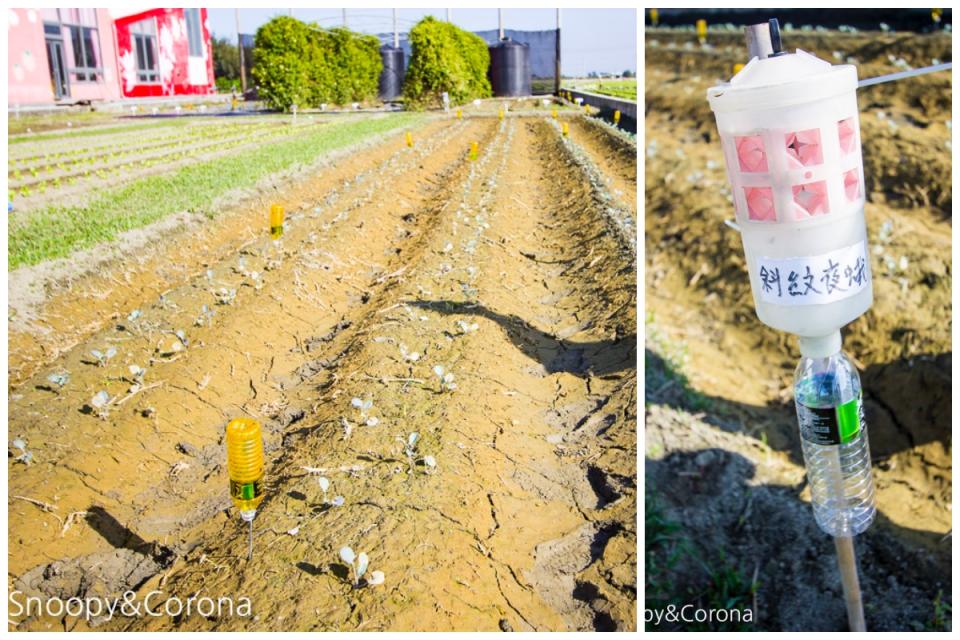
x=738, y=505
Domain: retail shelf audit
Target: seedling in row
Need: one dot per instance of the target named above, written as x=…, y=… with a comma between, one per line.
x=205, y=317
x=58, y=380
x=466, y=327
x=409, y=356
x=136, y=372
x=324, y=486
x=225, y=296
x=359, y=564
x=363, y=406
x=101, y=404
x=469, y=293
x=104, y=357
x=446, y=379
x=25, y=456
x=410, y=450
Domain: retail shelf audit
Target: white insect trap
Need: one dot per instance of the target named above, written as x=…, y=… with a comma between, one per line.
x=790, y=132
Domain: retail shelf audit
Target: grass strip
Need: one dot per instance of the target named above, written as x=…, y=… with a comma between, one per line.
x=55, y=232
x=626, y=89
x=618, y=92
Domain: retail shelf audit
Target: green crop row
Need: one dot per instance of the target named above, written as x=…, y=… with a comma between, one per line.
x=58, y=231
x=196, y=132
x=69, y=165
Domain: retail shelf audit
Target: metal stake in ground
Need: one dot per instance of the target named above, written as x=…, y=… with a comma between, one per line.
x=250, y=552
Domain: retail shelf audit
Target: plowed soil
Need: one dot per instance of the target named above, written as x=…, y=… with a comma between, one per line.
x=512, y=272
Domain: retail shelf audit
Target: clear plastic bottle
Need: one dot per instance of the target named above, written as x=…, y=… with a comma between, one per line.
x=833, y=433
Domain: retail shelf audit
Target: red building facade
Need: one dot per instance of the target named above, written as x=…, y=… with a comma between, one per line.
x=64, y=56
x=164, y=52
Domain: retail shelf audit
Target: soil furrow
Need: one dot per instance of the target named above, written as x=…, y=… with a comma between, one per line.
x=614, y=156
x=222, y=349
x=448, y=534
x=404, y=277
x=52, y=311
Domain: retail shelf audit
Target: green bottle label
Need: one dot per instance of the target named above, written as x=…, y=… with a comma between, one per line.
x=246, y=490
x=849, y=418
x=832, y=425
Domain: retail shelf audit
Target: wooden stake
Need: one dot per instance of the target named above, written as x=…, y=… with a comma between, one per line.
x=847, y=560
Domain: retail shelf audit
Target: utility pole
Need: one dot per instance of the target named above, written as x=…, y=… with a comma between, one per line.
x=448, y=15
x=500, y=20
x=344, y=18
x=396, y=34
x=556, y=88
x=243, y=69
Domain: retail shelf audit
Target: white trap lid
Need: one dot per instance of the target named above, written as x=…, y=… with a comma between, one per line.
x=783, y=80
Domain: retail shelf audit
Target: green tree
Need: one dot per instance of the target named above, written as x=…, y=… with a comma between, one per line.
x=448, y=59
x=226, y=59
x=306, y=65
x=280, y=67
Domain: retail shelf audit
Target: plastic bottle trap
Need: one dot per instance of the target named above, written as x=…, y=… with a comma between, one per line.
x=790, y=132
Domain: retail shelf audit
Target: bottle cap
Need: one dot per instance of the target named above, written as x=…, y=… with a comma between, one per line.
x=820, y=346
x=247, y=516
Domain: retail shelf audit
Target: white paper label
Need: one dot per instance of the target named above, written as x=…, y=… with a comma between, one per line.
x=814, y=279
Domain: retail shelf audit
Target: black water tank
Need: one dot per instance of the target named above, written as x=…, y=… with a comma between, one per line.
x=391, y=77
x=510, y=68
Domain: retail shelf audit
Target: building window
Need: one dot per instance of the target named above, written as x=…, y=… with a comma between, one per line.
x=85, y=54
x=144, y=34
x=194, y=33
x=79, y=26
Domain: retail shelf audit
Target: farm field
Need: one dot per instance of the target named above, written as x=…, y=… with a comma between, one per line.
x=38, y=179
x=620, y=88
x=487, y=305
x=728, y=506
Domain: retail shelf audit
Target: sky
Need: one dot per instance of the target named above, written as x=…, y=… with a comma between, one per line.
x=590, y=39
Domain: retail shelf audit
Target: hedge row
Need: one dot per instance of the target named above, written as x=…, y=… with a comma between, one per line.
x=445, y=58
x=299, y=64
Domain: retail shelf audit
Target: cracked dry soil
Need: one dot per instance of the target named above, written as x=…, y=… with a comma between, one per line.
x=506, y=271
